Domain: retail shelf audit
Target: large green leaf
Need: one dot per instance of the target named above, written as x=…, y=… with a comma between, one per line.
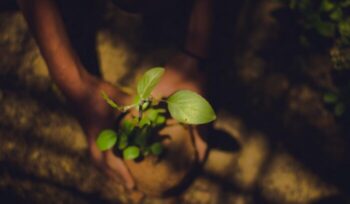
x=106, y=139
x=131, y=153
x=148, y=81
x=190, y=108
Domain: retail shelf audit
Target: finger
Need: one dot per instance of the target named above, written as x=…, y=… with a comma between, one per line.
x=95, y=153
x=118, y=166
x=200, y=144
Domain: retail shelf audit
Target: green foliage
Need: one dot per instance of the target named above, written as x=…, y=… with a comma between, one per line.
x=327, y=17
x=190, y=108
x=337, y=102
x=106, y=139
x=330, y=98
x=339, y=109
x=148, y=81
x=156, y=148
x=109, y=100
x=138, y=136
x=131, y=153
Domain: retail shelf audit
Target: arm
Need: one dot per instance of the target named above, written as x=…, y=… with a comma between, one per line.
x=183, y=71
x=48, y=29
x=199, y=28
x=81, y=89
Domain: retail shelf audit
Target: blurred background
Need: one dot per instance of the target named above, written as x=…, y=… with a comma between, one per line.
x=279, y=80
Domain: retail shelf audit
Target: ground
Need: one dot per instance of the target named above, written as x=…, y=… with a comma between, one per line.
x=284, y=146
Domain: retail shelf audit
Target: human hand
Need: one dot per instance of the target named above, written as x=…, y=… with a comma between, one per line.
x=95, y=115
x=182, y=72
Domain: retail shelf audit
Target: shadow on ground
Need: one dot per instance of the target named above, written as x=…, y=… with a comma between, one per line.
x=278, y=142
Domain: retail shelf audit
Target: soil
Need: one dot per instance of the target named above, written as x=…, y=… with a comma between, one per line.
x=278, y=142
x=162, y=176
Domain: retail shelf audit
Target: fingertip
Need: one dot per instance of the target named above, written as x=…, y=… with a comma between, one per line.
x=130, y=185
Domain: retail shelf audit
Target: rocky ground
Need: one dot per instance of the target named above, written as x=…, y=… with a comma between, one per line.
x=284, y=145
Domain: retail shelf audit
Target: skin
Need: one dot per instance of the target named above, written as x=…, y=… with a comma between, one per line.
x=83, y=89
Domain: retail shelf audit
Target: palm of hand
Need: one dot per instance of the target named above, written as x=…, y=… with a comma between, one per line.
x=95, y=115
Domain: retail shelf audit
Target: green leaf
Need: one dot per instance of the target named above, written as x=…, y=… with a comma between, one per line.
x=152, y=114
x=336, y=15
x=145, y=105
x=123, y=141
x=109, y=100
x=327, y=5
x=156, y=148
x=127, y=127
x=160, y=120
x=190, y=108
x=141, y=135
x=344, y=28
x=148, y=81
x=131, y=153
x=106, y=139
x=326, y=29
x=144, y=121
x=155, y=116
x=330, y=97
x=339, y=109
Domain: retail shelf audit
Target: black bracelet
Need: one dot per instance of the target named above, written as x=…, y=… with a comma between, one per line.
x=192, y=55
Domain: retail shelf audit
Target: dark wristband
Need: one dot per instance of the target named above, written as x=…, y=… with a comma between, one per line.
x=192, y=55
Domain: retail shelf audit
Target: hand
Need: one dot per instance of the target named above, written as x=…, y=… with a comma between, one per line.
x=95, y=115
x=182, y=72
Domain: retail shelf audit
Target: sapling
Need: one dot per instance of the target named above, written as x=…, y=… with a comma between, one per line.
x=136, y=136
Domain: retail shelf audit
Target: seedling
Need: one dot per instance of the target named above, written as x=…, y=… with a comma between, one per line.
x=136, y=135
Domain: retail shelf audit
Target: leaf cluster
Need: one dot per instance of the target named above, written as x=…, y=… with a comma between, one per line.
x=329, y=18
x=137, y=137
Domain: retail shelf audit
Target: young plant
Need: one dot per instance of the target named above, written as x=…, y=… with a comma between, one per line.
x=136, y=136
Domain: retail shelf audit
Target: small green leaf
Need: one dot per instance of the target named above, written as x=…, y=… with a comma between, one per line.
x=330, y=97
x=336, y=15
x=344, y=28
x=327, y=5
x=339, y=109
x=106, y=139
x=109, y=100
x=148, y=81
x=152, y=114
x=123, y=141
x=156, y=148
x=127, y=127
x=145, y=105
x=190, y=108
x=144, y=121
x=141, y=135
x=160, y=120
x=131, y=153
x=326, y=29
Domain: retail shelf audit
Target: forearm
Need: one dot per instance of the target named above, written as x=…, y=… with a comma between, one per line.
x=200, y=28
x=47, y=26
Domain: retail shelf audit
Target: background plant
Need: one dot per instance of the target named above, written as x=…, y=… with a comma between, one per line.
x=322, y=21
x=136, y=136
x=328, y=18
